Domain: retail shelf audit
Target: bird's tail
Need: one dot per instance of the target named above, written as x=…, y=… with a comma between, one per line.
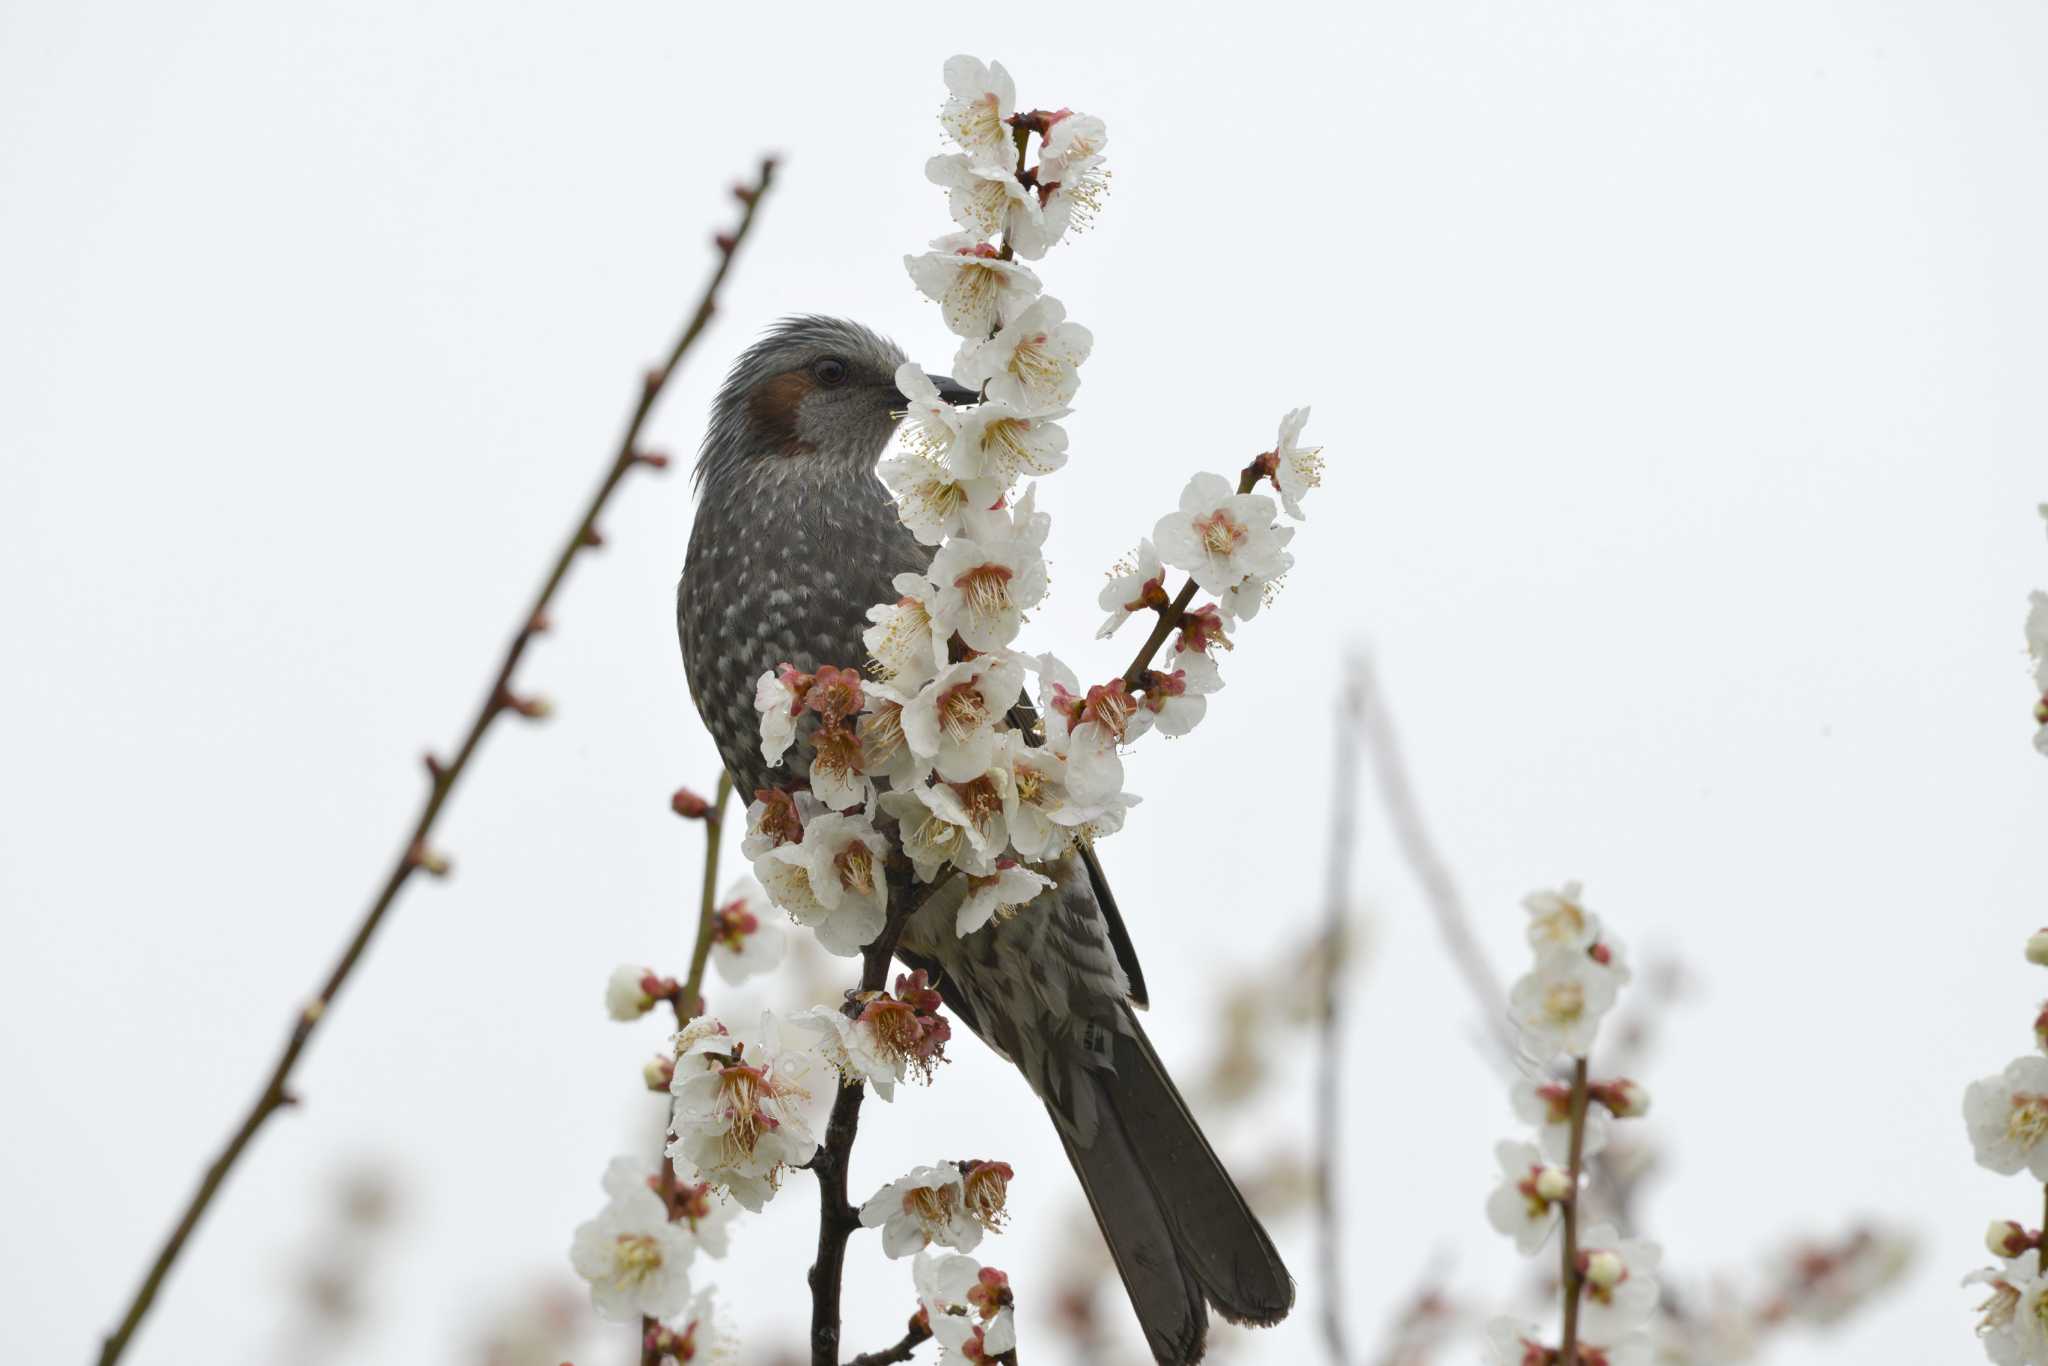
x=1177, y=1227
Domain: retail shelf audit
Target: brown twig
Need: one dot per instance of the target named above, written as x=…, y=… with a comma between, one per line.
x=1568, y=1274
x=900, y=1352
x=417, y=853
x=1439, y=889
x=688, y=1001
x=1336, y=913
x=700, y=952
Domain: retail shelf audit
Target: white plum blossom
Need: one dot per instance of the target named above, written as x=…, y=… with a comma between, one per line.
x=999, y=444
x=1547, y=1105
x=778, y=704
x=1178, y=692
x=832, y=881
x=975, y=287
x=779, y=821
x=2008, y=1118
x=625, y=993
x=636, y=1260
x=1558, y=920
x=1086, y=729
x=1132, y=588
x=1619, y=1275
x=904, y=640
x=988, y=579
x=931, y=500
x=1033, y=363
x=2037, y=637
x=1297, y=468
x=1220, y=536
x=1069, y=194
x=708, y=1218
x=1526, y=1204
x=698, y=1334
x=986, y=200
x=1072, y=138
x=937, y=829
x=743, y=1106
x=1513, y=1342
x=968, y=1306
x=745, y=941
x=926, y=1206
x=885, y=748
x=952, y=720
x=2004, y=1330
x=1559, y=1005
x=1037, y=812
x=1254, y=590
x=1010, y=886
x=836, y=1043
x=980, y=99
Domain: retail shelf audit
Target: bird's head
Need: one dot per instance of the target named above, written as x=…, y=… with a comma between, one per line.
x=813, y=390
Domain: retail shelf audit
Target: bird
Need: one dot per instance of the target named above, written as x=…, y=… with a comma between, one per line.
x=794, y=538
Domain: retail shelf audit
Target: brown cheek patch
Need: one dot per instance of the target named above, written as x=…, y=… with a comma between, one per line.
x=773, y=409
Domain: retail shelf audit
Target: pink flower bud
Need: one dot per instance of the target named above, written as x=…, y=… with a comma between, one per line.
x=689, y=805
x=2007, y=1239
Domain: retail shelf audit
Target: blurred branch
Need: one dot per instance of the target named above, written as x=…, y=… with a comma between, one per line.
x=1453, y=922
x=417, y=853
x=1335, y=937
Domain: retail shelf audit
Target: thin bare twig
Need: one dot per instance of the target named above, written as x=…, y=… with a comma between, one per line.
x=688, y=1001
x=1439, y=889
x=416, y=854
x=1336, y=939
x=700, y=952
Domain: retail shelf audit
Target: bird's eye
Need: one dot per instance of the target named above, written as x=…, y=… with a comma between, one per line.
x=830, y=370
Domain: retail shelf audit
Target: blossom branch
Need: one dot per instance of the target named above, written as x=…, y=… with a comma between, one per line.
x=417, y=853
x=1569, y=1276
x=1172, y=615
x=837, y=1217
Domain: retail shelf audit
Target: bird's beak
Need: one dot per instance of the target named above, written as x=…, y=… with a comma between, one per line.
x=953, y=391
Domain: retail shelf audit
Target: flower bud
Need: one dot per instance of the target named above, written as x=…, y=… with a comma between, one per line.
x=2007, y=1239
x=689, y=805
x=1623, y=1098
x=2037, y=947
x=1553, y=1184
x=1604, y=1270
x=658, y=1073
x=627, y=995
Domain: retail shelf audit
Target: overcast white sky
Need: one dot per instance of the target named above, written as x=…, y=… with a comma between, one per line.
x=1680, y=369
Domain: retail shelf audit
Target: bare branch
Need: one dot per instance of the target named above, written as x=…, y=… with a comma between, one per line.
x=418, y=852
x=1439, y=889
